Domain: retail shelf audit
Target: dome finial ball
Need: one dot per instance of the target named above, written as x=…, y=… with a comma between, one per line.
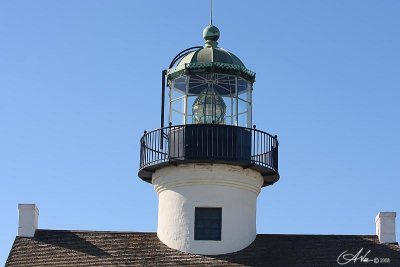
x=211, y=35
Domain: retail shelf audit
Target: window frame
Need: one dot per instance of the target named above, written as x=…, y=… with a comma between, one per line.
x=197, y=219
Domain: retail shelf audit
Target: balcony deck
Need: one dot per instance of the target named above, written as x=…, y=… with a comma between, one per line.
x=209, y=143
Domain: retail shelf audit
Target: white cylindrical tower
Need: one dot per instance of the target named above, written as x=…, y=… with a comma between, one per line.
x=188, y=193
x=209, y=165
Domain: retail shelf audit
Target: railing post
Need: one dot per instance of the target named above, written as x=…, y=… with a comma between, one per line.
x=275, y=149
x=170, y=142
x=253, y=145
x=143, y=145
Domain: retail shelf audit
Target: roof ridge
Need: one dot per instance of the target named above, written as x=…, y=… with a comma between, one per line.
x=93, y=231
x=147, y=232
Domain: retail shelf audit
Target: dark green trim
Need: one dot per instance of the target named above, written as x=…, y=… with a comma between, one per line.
x=209, y=67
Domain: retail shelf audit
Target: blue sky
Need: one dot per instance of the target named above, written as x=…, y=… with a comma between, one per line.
x=79, y=83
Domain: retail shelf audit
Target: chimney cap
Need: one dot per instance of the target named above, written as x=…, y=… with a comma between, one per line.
x=385, y=214
x=27, y=206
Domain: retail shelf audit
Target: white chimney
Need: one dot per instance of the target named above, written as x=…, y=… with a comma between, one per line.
x=386, y=227
x=28, y=220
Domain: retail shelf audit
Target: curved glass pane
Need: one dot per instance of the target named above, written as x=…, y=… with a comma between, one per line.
x=210, y=98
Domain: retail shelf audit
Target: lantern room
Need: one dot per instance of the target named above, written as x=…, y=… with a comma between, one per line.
x=209, y=85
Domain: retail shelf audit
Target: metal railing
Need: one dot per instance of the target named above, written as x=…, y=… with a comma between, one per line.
x=209, y=143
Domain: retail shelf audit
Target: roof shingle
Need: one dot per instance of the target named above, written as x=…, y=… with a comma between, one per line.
x=96, y=248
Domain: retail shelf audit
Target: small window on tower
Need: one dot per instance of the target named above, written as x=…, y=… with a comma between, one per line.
x=207, y=223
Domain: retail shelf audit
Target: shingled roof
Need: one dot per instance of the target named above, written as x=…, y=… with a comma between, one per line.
x=96, y=248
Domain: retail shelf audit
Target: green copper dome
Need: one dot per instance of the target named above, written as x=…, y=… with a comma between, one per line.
x=210, y=55
x=211, y=58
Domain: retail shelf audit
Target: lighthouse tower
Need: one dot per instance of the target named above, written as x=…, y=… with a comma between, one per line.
x=207, y=161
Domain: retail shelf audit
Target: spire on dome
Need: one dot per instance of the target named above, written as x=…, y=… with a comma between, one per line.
x=211, y=33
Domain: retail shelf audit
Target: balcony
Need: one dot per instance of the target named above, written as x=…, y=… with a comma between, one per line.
x=209, y=143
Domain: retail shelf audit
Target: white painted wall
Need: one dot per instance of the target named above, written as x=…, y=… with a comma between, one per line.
x=386, y=227
x=182, y=188
x=28, y=220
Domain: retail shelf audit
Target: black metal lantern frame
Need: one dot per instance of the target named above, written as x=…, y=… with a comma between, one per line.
x=185, y=92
